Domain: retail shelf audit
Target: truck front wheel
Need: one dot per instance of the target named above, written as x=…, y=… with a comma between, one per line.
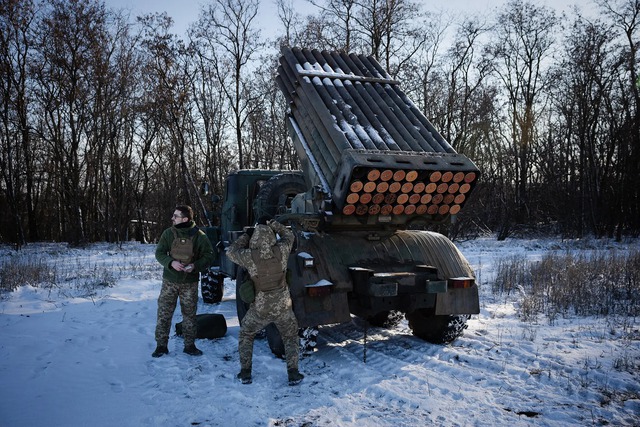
x=212, y=287
x=440, y=329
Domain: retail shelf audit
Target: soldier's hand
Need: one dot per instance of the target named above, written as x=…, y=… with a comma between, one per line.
x=177, y=265
x=274, y=225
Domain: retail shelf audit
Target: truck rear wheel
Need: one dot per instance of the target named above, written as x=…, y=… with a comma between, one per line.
x=308, y=339
x=436, y=329
x=241, y=306
x=385, y=319
x=275, y=341
x=273, y=336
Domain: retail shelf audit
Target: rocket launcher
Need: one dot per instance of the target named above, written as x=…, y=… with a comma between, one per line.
x=365, y=145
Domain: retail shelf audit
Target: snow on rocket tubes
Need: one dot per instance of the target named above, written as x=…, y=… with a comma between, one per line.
x=363, y=137
x=396, y=191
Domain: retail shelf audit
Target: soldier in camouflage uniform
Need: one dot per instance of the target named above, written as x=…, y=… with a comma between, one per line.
x=180, y=278
x=265, y=259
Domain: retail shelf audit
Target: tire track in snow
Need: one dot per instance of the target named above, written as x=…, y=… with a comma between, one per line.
x=441, y=376
x=396, y=360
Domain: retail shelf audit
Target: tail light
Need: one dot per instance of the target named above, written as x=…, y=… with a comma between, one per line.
x=319, y=289
x=460, y=282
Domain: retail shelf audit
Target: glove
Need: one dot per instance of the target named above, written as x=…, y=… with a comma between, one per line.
x=275, y=225
x=263, y=220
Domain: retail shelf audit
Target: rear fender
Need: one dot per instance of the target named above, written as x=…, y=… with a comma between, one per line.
x=393, y=264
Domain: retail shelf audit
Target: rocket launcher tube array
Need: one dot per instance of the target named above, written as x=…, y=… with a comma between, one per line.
x=353, y=117
x=389, y=192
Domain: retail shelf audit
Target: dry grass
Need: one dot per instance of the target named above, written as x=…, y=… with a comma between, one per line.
x=600, y=284
x=78, y=281
x=24, y=271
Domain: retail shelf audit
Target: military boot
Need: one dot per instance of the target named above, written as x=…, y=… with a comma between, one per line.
x=295, y=377
x=192, y=350
x=245, y=376
x=160, y=351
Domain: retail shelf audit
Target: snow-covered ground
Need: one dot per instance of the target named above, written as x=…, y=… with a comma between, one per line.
x=77, y=353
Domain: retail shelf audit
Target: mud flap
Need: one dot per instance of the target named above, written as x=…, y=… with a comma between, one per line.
x=458, y=301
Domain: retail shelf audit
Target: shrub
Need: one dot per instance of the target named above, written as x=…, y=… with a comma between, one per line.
x=585, y=284
x=77, y=279
x=25, y=271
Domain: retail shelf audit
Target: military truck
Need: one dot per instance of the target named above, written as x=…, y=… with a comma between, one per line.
x=375, y=175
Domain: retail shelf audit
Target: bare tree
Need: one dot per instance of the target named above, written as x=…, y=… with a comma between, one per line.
x=100, y=124
x=17, y=22
x=116, y=79
x=226, y=28
x=524, y=40
x=270, y=143
x=210, y=104
x=625, y=16
x=583, y=149
x=468, y=108
x=287, y=18
x=395, y=32
x=68, y=39
x=168, y=92
x=336, y=24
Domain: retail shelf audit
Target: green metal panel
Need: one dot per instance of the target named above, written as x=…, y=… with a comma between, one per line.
x=392, y=262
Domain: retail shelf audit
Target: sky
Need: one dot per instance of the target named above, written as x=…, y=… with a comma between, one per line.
x=185, y=12
x=77, y=353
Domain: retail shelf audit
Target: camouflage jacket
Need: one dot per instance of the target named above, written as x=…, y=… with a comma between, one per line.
x=202, y=254
x=240, y=253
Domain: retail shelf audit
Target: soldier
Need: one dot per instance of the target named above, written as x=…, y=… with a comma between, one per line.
x=184, y=251
x=265, y=258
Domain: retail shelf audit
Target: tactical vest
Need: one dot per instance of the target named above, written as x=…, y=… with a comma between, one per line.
x=269, y=270
x=182, y=247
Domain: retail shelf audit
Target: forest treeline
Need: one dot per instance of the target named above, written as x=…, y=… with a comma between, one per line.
x=108, y=121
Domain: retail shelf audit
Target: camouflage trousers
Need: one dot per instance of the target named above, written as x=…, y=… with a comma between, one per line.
x=167, y=301
x=273, y=306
